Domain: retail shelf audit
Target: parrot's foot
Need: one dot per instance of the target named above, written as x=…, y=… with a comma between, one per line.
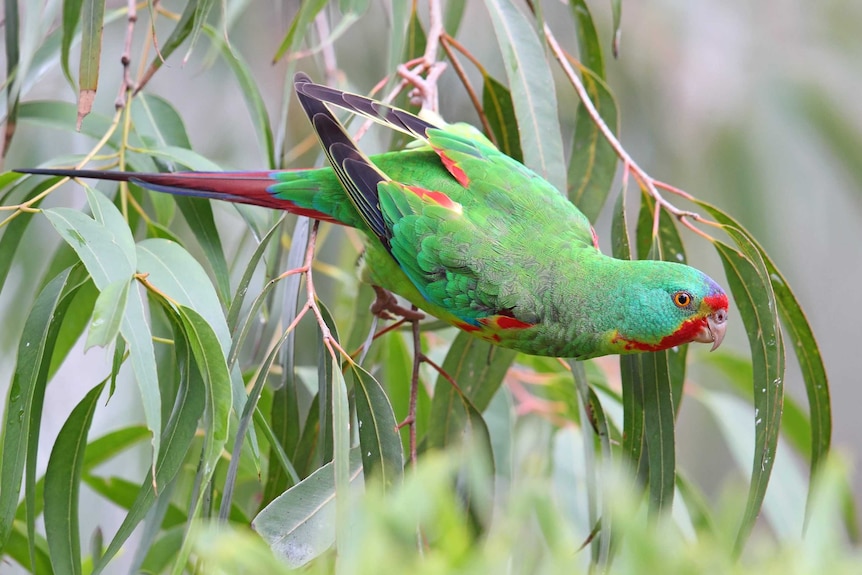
x=424, y=92
x=387, y=307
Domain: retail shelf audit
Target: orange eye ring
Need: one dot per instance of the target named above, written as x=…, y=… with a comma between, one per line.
x=682, y=299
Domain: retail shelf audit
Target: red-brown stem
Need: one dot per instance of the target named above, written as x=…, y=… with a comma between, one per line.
x=462, y=74
x=127, y=84
x=640, y=175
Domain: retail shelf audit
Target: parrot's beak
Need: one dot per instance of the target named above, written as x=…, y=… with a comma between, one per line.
x=713, y=331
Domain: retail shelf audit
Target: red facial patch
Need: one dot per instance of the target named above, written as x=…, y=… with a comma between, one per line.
x=453, y=168
x=685, y=334
x=438, y=198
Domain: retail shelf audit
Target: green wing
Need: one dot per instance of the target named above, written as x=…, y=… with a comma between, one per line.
x=475, y=241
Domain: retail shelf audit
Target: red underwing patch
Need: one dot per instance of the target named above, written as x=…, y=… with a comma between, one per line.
x=505, y=322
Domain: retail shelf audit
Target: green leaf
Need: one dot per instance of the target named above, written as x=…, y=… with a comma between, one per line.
x=177, y=37
x=100, y=248
x=301, y=23
x=13, y=231
x=300, y=523
x=751, y=288
x=658, y=428
x=18, y=549
x=245, y=418
x=177, y=274
x=631, y=374
x=589, y=49
x=24, y=402
x=783, y=503
x=238, y=299
x=498, y=108
x=412, y=46
x=108, y=314
x=531, y=83
x=178, y=435
x=155, y=118
x=667, y=246
x=92, y=17
x=210, y=359
x=11, y=25
x=199, y=215
x=593, y=163
x=248, y=85
x=478, y=368
x=106, y=247
x=804, y=345
x=401, y=15
x=382, y=453
x=63, y=484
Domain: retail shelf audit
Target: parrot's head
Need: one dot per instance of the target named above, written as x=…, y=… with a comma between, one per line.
x=667, y=304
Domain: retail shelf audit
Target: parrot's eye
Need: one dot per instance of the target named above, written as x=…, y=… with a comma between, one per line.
x=681, y=299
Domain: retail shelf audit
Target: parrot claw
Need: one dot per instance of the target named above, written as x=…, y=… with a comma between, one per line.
x=385, y=306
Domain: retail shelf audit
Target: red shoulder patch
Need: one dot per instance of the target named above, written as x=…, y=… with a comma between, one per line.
x=453, y=168
x=438, y=198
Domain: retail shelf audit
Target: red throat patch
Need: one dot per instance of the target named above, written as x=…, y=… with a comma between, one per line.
x=685, y=334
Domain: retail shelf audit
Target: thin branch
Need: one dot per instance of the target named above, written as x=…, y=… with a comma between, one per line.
x=127, y=85
x=462, y=74
x=646, y=182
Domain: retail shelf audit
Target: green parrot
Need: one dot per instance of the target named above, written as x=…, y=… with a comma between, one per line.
x=471, y=236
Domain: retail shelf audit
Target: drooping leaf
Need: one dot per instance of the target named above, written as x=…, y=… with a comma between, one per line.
x=13, y=231
x=498, y=108
x=92, y=17
x=804, y=344
x=106, y=247
x=593, y=163
x=299, y=524
x=179, y=432
x=658, y=413
x=254, y=99
x=11, y=25
x=589, y=49
x=108, y=314
x=531, y=82
x=63, y=484
x=382, y=454
x=24, y=402
x=752, y=291
x=304, y=17
x=631, y=374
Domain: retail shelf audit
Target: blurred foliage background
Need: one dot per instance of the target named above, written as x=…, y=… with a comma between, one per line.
x=750, y=107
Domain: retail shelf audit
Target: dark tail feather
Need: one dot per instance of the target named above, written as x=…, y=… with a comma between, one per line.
x=339, y=147
x=395, y=118
x=240, y=187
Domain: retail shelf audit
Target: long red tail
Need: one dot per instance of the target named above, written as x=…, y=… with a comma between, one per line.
x=251, y=188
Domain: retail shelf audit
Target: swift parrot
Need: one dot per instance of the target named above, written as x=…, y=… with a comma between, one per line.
x=471, y=236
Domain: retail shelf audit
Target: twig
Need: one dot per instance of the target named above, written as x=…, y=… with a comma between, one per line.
x=330, y=66
x=127, y=84
x=462, y=74
x=645, y=181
